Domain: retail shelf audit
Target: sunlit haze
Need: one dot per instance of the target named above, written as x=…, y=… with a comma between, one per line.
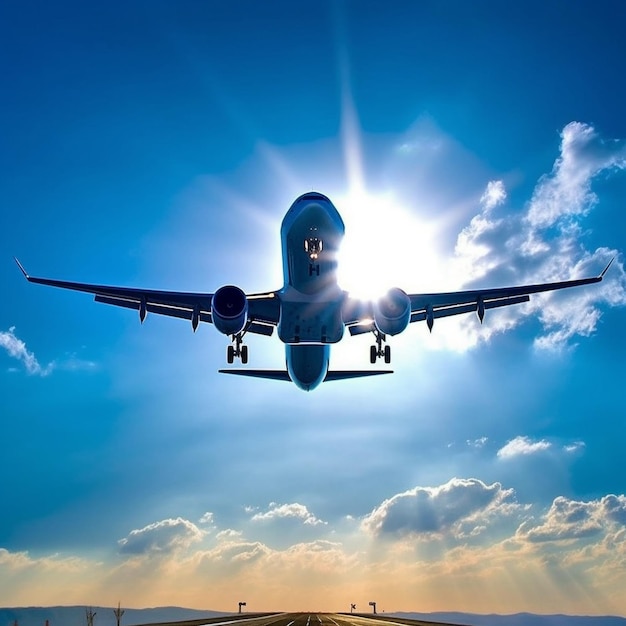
x=385, y=245
x=465, y=145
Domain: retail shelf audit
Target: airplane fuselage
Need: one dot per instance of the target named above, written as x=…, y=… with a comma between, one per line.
x=311, y=300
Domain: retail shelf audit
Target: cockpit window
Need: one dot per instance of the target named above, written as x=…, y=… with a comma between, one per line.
x=312, y=196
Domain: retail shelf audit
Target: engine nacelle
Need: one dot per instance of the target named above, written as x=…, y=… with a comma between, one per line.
x=392, y=312
x=229, y=310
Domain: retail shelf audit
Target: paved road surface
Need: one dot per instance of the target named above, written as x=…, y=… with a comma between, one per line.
x=307, y=619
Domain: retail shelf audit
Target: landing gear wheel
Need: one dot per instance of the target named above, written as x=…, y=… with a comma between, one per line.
x=380, y=350
x=230, y=354
x=387, y=354
x=244, y=354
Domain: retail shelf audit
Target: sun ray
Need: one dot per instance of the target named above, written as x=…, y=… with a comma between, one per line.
x=385, y=245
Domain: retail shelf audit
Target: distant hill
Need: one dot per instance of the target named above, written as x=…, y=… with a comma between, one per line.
x=519, y=619
x=75, y=615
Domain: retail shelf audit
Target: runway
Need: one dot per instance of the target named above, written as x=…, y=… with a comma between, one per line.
x=306, y=619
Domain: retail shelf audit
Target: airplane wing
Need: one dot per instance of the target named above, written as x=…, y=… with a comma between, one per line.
x=263, y=308
x=430, y=306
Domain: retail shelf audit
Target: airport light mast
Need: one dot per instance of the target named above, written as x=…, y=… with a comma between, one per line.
x=352, y=607
x=240, y=605
x=373, y=605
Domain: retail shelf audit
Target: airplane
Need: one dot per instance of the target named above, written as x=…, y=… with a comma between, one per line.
x=310, y=311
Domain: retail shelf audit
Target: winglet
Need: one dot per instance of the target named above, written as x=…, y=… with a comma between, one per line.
x=607, y=267
x=26, y=276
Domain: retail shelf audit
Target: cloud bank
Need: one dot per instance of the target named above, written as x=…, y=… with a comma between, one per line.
x=572, y=519
x=572, y=542
x=164, y=537
x=453, y=508
x=545, y=242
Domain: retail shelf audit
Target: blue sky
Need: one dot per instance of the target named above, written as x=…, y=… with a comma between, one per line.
x=159, y=144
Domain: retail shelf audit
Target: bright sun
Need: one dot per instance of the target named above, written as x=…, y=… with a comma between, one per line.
x=385, y=246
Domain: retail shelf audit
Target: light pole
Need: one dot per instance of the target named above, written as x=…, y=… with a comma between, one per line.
x=240, y=605
x=352, y=607
x=373, y=605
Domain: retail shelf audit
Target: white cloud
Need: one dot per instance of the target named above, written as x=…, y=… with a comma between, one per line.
x=545, y=243
x=522, y=446
x=525, y=446
x=494, y=195
x=566, y=191
x=437, y=510
x=73, y=363
x=228, y=534
x=572, y=519
x=614, y=508
x=207, y=518
x=17, y=349
x=233, y=549
x=164, y=537
x=477, y=443
x=577, y=446
x=288, y=511
x=15, y=561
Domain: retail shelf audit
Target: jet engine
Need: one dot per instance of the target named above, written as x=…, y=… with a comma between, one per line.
x=392, y=312
x=229, y=309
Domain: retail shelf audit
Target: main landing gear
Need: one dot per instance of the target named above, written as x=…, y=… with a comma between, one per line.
x=238, y=350
x=380, y=350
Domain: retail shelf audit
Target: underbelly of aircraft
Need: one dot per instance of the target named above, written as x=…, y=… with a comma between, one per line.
x=310, y=322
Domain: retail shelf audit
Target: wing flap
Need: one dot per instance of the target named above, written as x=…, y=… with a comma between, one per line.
x=454, y=298
x=361, y=329
x=420, y=316
x=433, y=305
x=259, y=328
x=179, y=312
x=159, y=309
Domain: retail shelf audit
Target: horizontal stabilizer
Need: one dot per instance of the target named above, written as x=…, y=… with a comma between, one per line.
x=343, y=374
x=272, y=374
x=283, y=375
